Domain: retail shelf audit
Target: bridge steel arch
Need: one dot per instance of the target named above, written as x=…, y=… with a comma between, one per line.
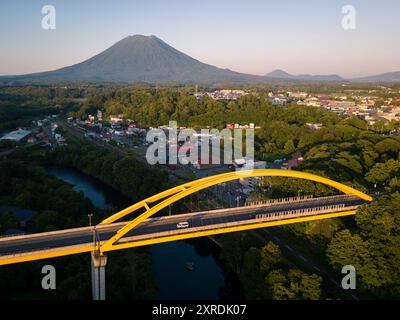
x=172, y=195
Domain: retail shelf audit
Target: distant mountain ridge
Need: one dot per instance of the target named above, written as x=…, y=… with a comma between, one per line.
x=281, y=74
x=148, y=59
x=383, y=77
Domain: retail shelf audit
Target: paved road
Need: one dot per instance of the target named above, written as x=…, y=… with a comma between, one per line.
x=36, y=242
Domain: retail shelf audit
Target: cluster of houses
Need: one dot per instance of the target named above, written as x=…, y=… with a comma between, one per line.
x=222, y=94
x=115, y=128
x=37, y=134
x=242, y=126
x=362, y=106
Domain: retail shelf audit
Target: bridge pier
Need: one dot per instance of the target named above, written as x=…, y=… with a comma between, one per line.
x=98, y=268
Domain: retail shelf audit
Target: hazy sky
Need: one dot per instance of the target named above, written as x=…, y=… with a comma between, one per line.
x=252, y=36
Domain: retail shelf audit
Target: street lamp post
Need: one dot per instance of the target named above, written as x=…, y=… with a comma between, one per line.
x=90, y=215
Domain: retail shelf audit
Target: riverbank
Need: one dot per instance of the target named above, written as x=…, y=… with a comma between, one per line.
x=172, y=279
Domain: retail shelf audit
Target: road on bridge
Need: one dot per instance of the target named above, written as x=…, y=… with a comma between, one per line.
x=86, y=235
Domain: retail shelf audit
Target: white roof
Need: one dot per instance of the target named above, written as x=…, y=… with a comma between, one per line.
x=240, y=161
x=16, y=135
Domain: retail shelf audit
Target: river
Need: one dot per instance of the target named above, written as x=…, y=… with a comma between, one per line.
x=172, y=278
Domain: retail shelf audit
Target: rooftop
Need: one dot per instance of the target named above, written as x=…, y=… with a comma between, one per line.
x=17, y=135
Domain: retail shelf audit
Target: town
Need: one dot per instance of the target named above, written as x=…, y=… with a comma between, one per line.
x=181, y=155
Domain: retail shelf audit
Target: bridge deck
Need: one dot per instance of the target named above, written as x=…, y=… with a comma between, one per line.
x=82, y=239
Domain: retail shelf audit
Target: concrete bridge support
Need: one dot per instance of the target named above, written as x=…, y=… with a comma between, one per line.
x=98, y=275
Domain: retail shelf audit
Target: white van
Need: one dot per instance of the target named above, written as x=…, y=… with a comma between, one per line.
x=182, y=225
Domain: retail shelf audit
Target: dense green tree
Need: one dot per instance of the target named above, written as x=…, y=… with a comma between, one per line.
x=374, y=250
x=289, y=147
x=296, y=285
x=270, y=257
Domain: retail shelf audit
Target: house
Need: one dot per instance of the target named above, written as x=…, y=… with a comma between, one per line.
x=249, y=184
x=116, y=119
x=296, y=160
x=314, y=126
x=277, y=101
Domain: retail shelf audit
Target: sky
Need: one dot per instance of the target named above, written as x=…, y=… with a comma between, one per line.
x=252, y=36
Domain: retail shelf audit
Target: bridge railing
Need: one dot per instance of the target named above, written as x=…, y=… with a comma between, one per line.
x=257, y=219
x=304, y=211
x=295, y=199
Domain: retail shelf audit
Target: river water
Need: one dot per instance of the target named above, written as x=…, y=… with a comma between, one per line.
x=172, y=278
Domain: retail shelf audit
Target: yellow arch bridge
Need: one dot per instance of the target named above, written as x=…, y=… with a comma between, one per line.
x=144, y=230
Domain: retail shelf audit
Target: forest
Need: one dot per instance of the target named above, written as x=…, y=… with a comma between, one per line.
x=25, y=184
x=345, y=149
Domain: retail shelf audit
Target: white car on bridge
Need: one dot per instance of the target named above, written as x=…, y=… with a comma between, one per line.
x=182, y=225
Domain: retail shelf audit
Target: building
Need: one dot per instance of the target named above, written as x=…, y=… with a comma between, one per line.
x=314, y=126
x=242, y=126
x=277, y=101
x=116, y=119
x=19, y=135
x=222, y=94
x=249, y=184
x=296, y=160
x=91, y=118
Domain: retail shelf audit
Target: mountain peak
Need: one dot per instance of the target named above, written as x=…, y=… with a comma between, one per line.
x=140, y=37
x=279, y=73
x=139, y=58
